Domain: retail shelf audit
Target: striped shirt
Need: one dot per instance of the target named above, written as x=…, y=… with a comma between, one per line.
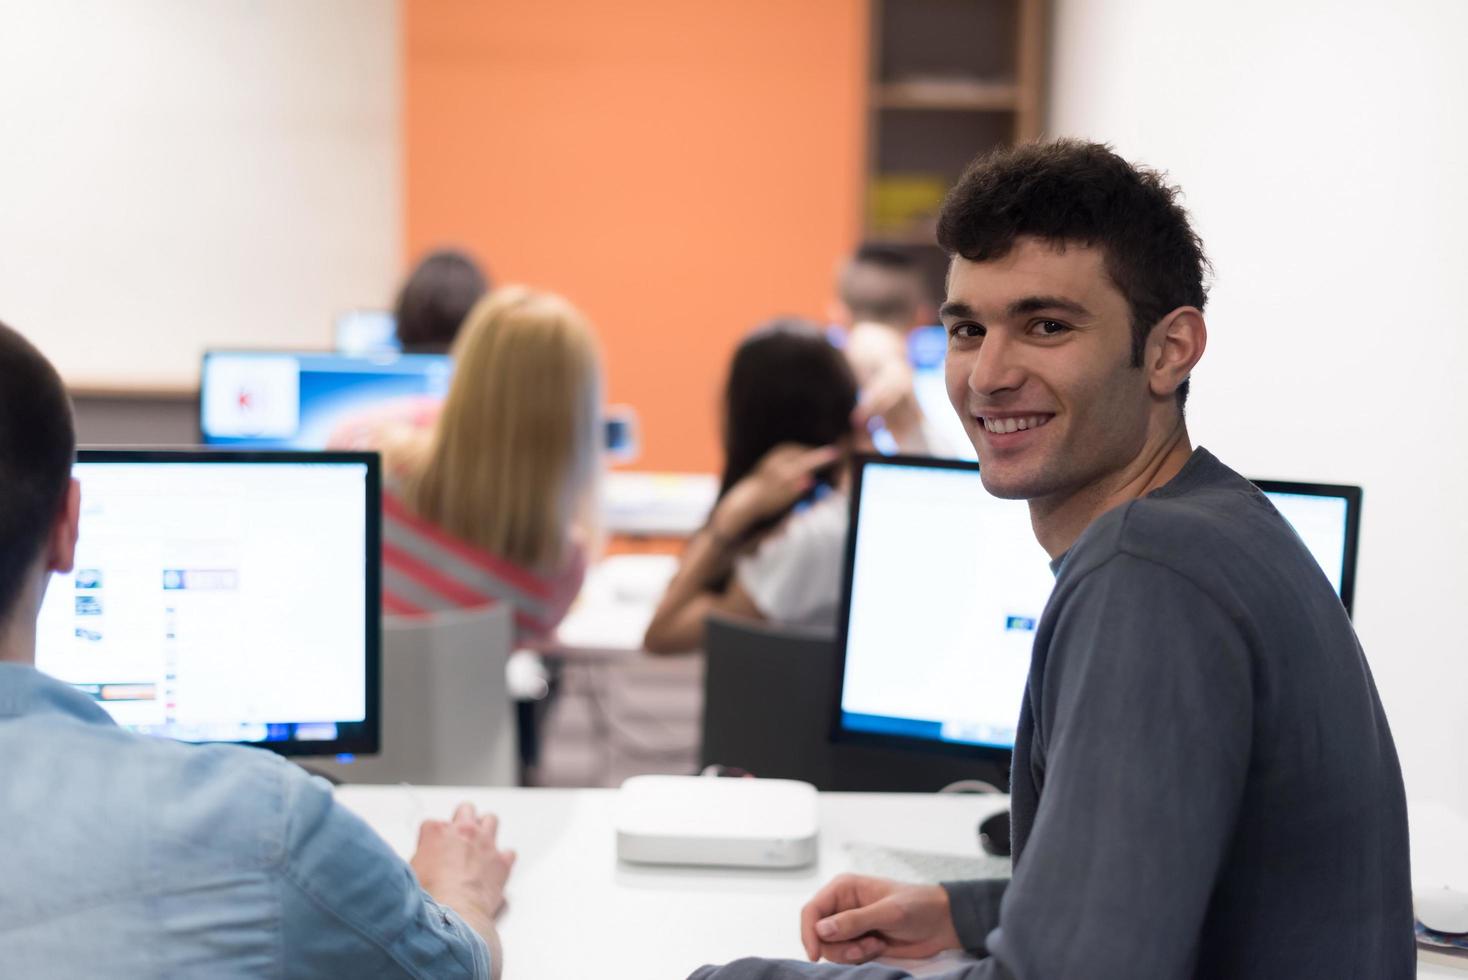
x=425, y=570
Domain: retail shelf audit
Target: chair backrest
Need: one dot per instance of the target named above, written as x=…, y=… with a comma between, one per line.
x=447, y=719
x=767, y=699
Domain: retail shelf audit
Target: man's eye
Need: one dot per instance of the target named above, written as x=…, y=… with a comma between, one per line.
x=1050, y=328
x=966, y=330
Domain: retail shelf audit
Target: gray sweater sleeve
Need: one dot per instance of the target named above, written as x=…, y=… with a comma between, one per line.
x=757, y=969
x=975, y=906
x=1143, y=727
x=1143, y=719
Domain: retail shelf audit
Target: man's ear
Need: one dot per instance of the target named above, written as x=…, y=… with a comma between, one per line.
x=1174, y=348
x=61, y=545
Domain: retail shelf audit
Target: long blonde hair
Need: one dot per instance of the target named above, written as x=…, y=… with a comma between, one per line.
x=514, y=457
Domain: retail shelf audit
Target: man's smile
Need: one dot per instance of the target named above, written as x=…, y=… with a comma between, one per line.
x=1010, y=422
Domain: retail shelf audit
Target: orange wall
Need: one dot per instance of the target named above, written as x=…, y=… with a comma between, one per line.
x=680, y=169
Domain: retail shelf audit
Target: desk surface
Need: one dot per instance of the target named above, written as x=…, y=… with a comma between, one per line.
x=575, y=911
x=610, y=616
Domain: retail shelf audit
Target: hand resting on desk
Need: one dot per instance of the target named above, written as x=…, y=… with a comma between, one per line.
x=855, y=919
x=460, y=864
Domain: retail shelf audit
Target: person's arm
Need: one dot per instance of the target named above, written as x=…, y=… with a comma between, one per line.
x=351, y=907
x=677, y=625
x=1145, y=715
x=785, y=473
x=460, y=864
x=879, y=360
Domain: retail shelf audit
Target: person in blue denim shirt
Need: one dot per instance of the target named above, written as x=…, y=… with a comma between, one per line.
x=130, y=856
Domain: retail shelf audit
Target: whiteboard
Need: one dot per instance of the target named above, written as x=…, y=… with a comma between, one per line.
x=180, y=174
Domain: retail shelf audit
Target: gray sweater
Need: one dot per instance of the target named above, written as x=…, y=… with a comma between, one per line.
x=1204, y=782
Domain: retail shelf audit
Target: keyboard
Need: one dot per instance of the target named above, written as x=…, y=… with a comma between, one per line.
x=923, y=867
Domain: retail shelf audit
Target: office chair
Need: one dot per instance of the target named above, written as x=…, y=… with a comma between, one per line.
x=447, y=719
x=767, y=700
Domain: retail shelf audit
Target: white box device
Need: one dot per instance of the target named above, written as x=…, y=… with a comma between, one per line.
x=747, y=823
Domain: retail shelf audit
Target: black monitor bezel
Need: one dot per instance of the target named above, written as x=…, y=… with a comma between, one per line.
x=839, y=733
x=1352, y=496
x=205, y=439
x=356, y=738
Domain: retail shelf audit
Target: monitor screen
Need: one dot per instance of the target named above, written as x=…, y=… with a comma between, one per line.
x=285, y=400
x=936, y=637
x=935, y=640
x=366, y=332
x=297, y=400
x=224, y=597
x=1327, y=517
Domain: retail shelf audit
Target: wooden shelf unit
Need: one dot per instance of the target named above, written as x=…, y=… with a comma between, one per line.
x=956, y=96
x=948, y=80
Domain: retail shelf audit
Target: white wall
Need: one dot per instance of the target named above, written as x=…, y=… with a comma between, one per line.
x=183, y=173
x=1323, y=149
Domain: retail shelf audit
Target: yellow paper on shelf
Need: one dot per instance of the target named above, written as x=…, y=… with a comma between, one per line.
x=898, y=202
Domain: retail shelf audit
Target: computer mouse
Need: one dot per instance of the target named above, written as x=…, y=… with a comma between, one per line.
x=994, y=834
x=1442, y=909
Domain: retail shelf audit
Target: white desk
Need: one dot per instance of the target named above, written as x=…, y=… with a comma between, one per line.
x=657, y=504
x=575, y=911
x=616, y=602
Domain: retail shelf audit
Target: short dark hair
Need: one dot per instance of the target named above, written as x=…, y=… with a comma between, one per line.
x=786, y=384
x=885, y=256
x=1072, y=191
x=37, y=447
x=432, y=304
x=893, y=298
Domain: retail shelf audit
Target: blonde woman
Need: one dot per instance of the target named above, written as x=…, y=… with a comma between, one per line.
x=492, y=503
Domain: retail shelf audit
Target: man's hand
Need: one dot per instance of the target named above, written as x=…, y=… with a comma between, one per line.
x=460, y=865
x=785, y=474
x=855, y=919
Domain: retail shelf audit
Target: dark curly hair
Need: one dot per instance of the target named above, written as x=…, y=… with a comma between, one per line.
x=1072, y=191
x=37, y=445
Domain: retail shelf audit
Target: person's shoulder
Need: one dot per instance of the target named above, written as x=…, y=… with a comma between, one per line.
x=1205, y=516
x=237, y=800
x=817, y=524
x=808, y=540
x=830, y=514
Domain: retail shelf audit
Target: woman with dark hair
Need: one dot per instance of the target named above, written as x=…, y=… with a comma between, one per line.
x=772, y=546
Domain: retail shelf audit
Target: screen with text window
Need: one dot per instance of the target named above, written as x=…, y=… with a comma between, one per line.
x=217, y=601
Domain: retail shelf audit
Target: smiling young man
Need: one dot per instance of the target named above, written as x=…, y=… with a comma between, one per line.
x=1204, y=782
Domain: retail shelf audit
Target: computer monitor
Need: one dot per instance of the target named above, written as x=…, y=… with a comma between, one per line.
x=1327, y=517
x=944, y=588
x=366, y=332
x=298, y=400
x=225, y=597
